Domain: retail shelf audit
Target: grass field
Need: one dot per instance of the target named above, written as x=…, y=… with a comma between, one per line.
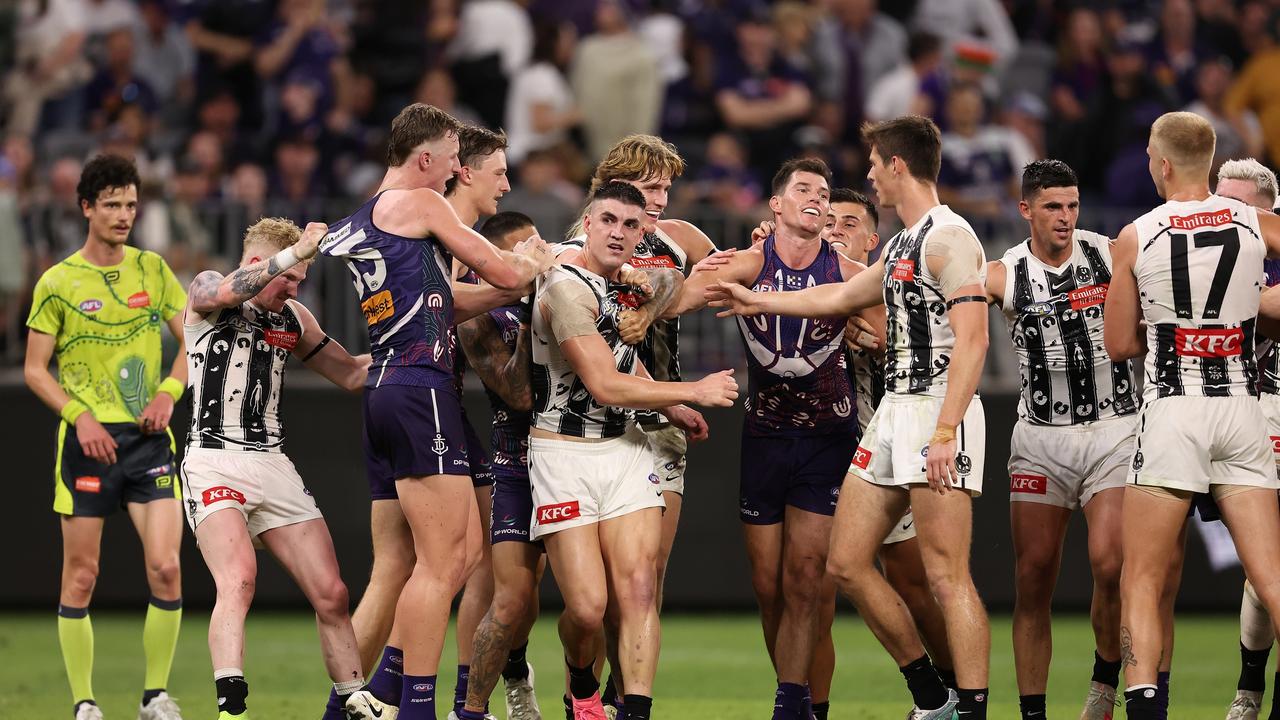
x=712, y=667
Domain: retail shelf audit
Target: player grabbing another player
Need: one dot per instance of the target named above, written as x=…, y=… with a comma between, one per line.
x=926, y=440
x=497, y=346
x=1192, y=269
x=99, y=312
x=1252, y=183
x=397, y=246
x=596, y=498
x=240, y=330
x=1076, y=420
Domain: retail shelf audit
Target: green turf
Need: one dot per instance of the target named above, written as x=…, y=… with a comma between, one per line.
x=711, y=667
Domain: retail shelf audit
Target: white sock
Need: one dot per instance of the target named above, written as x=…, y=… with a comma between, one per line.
x=348, y=687
x=1256, y=630
x=227, y=672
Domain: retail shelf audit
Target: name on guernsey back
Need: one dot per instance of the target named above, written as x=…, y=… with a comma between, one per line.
x=1086, y=297
x=1199, y=220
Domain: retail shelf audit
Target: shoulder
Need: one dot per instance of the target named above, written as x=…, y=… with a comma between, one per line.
x=692, y=240
x=848, y=267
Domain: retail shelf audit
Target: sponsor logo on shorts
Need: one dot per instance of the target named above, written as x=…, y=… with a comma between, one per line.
x=653, y=478
x=508, y=519
x=1029, y=484
x=1087, y=297
x=91, y=305
x=220, y=493
x=160, y=470
x=1275, y=444
x=963, y=464
x=438, y=445
x=835, y=492
x=1198, y=220
x=861, y=457
x=138, y=300
x=281, y=339
x=164, y=481
x=89, y=484
x=1137, y=460
x=191, y=508
x=904, y=270
x=548, y=514
x=1194, y=342
x=378, y=307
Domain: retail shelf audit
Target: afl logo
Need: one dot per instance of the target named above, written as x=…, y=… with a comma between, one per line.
x=439, y=446
x=91, y=306
x=1039, y=309
x=435, y=301
x=423, y=687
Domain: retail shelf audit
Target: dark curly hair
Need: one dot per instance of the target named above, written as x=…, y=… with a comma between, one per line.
x=846, y=195
x=1045, y=174
x=623, y=192
x=104, y=172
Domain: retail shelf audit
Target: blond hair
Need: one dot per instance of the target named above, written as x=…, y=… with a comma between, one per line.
x=631, y=159
x=1185, y=139
x=1250, y=170
x=271, y=234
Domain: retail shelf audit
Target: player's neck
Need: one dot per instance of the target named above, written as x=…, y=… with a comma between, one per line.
x=1186, y=192
x=466, y=210
x=795, y=250
x=585, y=260
x=915, y=201
x=399, y=178
x=102, y=254
x=1048, y=254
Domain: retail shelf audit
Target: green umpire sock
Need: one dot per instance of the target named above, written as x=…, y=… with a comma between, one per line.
x=160, y=639
x=75, y=635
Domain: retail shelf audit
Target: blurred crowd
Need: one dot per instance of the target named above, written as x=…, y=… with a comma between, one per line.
x=238, y=108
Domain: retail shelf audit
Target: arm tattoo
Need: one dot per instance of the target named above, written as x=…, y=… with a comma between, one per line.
x=1126, y=648
x=492, y=643
x=502, y=371
x=204, y=288
x=666, y=285
x=246, y=282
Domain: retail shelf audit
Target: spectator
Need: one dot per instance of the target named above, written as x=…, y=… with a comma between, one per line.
x=223, y=33
x=301, y=60
x=205, y=151
x=101, y=19
x=878, y=42
x=49, y=64
x=762, y=96
x=436, y=88
x=725, y=181
x=1025, y=114
x=493, y=42
x=127, y=137
x=544, y=195
x=164, y=58
x=968, y=23
x=58, y=231
x=219, y=116
x=541, y=109
x=179, y=228
x=1174, y=55
x=981, y=163
x=299, y=181
x=116, y=86
x=1081, y=65
x=13, y=278
x=900, y=92
x=1236, y=139
x=816, y=55
x=1217, y=30
x=247, y=190
x=615, y=79
x=1255, y=90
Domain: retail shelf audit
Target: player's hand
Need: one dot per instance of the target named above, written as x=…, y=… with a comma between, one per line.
x=307, y=247
x=736, y=299
x=940, y=466
x=95, y=441
x=762, y=231
x=689, y=420
x=714, y=260
x=155, y=416
x=637, y=279
x=716, y=390
x=537, y=250
x=860, y=335
x=633, y=325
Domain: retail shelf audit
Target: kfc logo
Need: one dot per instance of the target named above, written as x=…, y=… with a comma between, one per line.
x=89, y=484
x=904, y=270
x=861, y=457
x=220, y=493
x=1192, y=342
x=1275, y=444
x=548, y=514
x=1031, y=484
x=281, y=339
x=1087, y=297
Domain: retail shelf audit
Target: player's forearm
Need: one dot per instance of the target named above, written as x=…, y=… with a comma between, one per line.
x=666, y=284
x=830, y=300
x=967, y=359
x=622, y=390
x=517, y=392
x=211, y=291
x=470, y=301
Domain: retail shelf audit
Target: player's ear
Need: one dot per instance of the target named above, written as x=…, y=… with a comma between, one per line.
x=1024, y=209
x=85, y=207
x=775, y=204
x=424, y=160
x=873, y=241
x=466, y=175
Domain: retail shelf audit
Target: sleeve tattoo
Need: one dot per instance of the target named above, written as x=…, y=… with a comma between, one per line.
x=208, y=287
x=666, y=284
x=501, y=370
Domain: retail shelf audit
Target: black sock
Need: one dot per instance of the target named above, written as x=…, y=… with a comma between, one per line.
x=948, y=677
x=1140, y=703
x=149, y=695
x=568, y=708
x=1032, y=706
x=517, y=666
x=1253, y=669
x=1162, y=694
x=927, y=690
x=232, y=692
x=821, y=709
x=973, y=704
x=610, y=696
x=582, y=681
x=1275, y=701
x=636, y=707
x=1105, y=671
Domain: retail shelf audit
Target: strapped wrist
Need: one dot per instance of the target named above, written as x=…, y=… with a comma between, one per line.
x=72, y=411
x=943, y=433
x=172, y=387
